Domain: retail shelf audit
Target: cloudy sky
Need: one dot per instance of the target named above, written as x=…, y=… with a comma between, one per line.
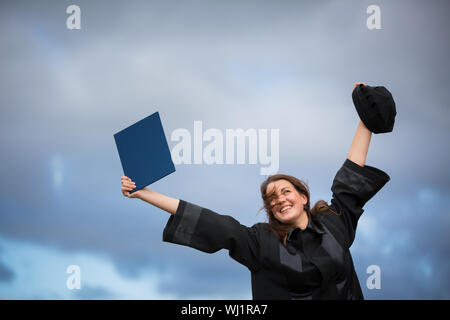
x=286, y=65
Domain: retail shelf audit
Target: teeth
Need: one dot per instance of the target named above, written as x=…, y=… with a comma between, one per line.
x=285, y=208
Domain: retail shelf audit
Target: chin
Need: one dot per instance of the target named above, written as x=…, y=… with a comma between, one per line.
x=288, y=222
x=287, y=219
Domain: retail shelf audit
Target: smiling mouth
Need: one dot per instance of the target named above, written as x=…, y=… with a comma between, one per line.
x=285, y=209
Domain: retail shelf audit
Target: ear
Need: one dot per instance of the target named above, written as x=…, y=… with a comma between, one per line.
x=304, y=198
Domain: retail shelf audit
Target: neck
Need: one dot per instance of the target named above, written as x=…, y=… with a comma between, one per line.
x=302, y=221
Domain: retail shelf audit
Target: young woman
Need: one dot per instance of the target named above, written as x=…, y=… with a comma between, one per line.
x=301, y=253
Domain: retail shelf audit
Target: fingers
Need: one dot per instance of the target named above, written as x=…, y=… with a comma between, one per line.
x=358, y=83
x=126, y=180
x=127, y=186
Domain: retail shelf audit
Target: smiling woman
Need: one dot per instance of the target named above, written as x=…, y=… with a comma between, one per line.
x=287, y=201
x=301, y=253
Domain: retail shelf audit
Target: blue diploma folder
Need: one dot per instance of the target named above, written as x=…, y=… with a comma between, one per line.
x=143, y=151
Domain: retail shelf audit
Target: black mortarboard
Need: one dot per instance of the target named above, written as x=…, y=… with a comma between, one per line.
x=375, y=107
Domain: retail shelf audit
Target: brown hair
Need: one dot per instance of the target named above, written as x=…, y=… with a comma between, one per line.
x=282, y=229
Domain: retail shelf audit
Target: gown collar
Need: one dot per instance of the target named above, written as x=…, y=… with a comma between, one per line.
x=313, y=225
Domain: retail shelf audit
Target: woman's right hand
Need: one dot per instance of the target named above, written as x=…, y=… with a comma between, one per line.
x=154, y=198
x=127, y=186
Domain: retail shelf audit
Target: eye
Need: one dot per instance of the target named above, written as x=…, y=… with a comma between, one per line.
x=272, y=201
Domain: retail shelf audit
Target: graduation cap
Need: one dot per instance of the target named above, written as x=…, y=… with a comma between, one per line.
x=375, y=107
x=143, y=151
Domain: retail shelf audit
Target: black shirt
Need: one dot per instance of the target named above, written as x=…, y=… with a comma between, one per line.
x=315, y=263
x=302, y=243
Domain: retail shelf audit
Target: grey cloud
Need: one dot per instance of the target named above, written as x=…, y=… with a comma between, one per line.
x=93, y=293
x=6, y=274
x=409, y=242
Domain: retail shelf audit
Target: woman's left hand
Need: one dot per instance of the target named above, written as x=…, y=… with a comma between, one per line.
x=357, y=84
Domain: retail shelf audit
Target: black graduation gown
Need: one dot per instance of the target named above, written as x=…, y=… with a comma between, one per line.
x=275, y=268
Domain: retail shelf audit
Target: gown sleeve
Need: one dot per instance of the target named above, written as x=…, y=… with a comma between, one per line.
x=208, y=231
x=352, y=187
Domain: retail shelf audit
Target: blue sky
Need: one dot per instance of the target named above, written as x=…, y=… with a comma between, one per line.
x=287, y=65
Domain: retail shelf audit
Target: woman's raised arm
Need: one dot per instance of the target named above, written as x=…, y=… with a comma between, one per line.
x=361, y=141
x=360, y=145
x=203, y=229
x=154, y=198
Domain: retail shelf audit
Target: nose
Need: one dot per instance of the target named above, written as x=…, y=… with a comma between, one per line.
x=279, y=199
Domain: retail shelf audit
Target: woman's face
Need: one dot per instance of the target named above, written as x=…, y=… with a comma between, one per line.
x=287, y=205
